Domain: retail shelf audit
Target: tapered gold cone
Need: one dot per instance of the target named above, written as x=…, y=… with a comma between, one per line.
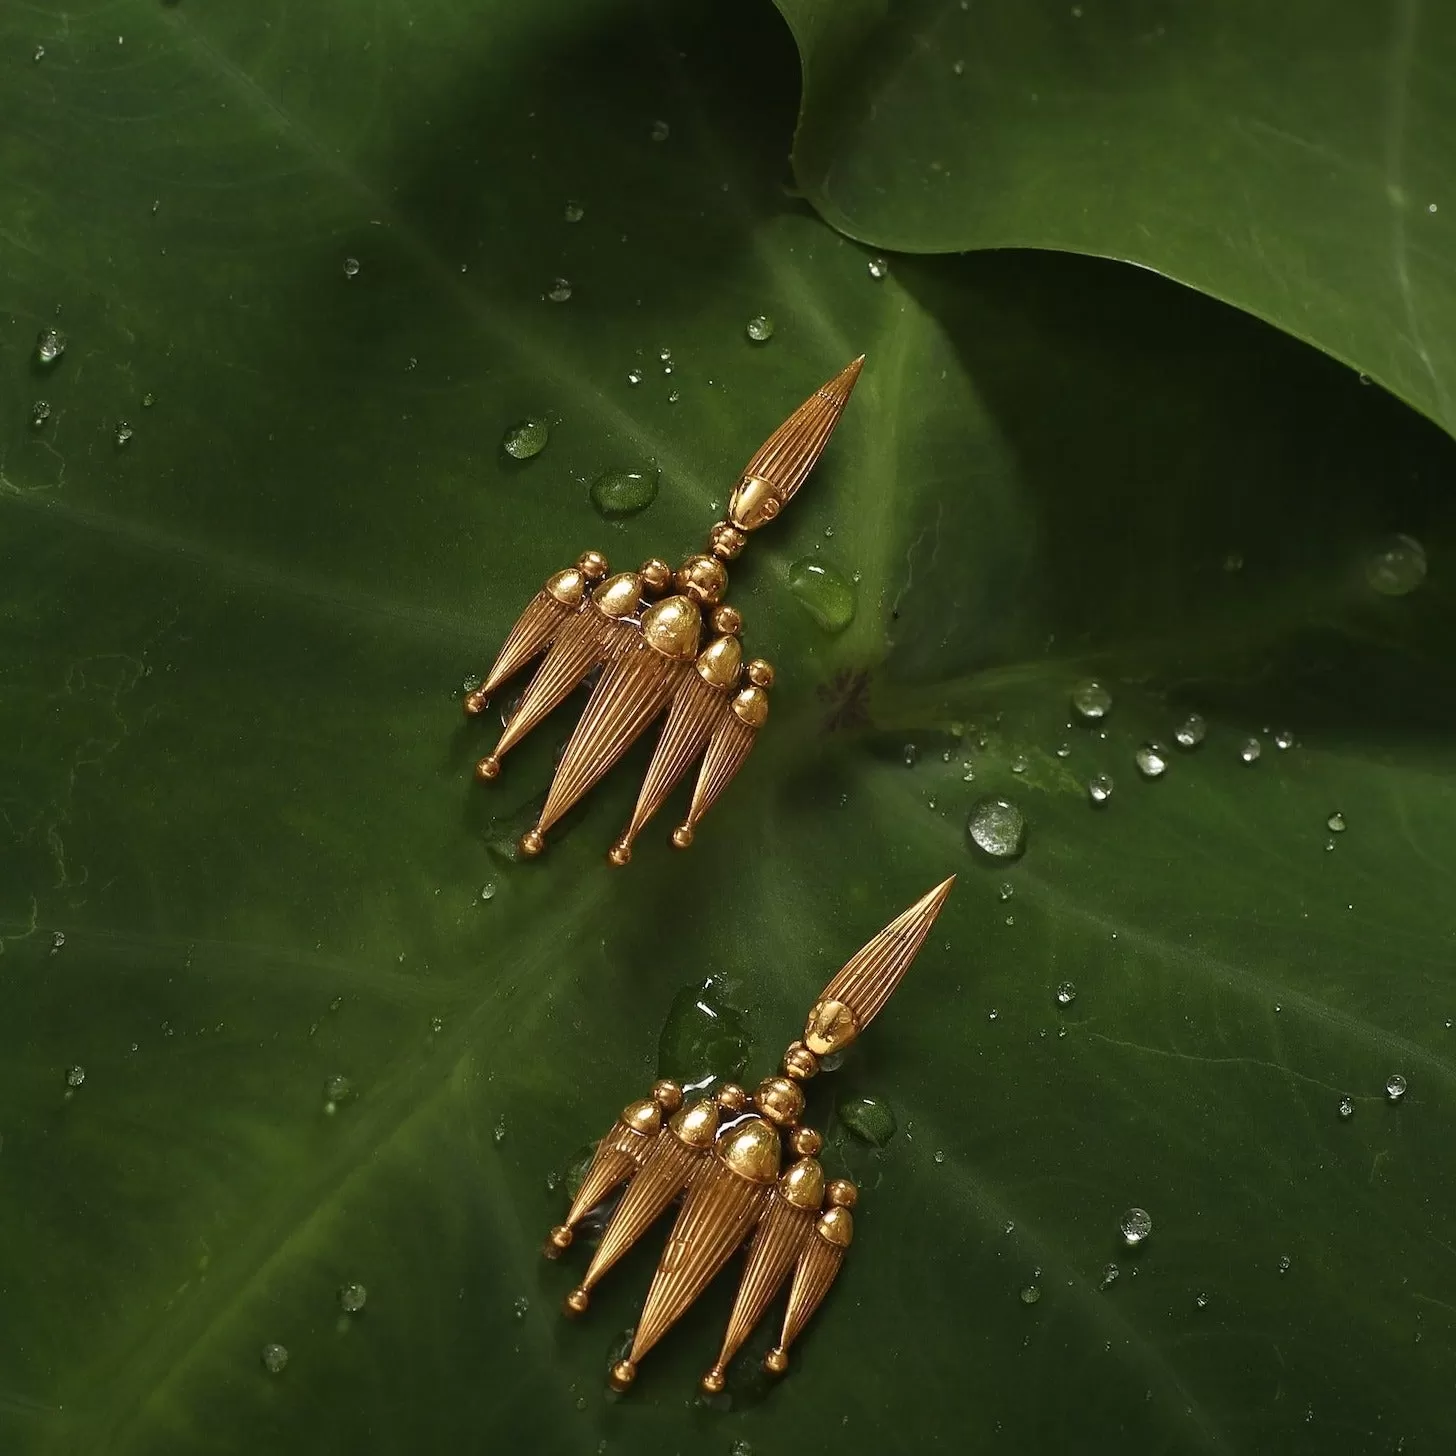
x=618, y=1156
x=531, y=635
x=818, y=1267
x=728, y=748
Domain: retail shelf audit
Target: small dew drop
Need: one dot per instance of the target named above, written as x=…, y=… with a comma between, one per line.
x=148, y=399
x=1284, y=1262
x=39, y=53
x=75, y=1076
x=619, y=493
x=1109, y=1276
x=1347, y=1107
x=1066, y=993
x=1019, y=764
x=909, y=755
x=519, y=1305
x=351, y=267
x=40, y=412
x=760, y=328
x=1191, y=731
x=634, y=376
x=573, y=212
x=58, y=941
x=1395, y=1086
x=1152, y=760
x=437, y=1024
x=499, y=1132
x=878, y=269
x=487, y=890
x=559, y=291
x=1099, y=789
x=1201, y=1301
x=1136, y=1225
x=660, y=131
x=275, y=1359
x=352, y=1297
x=674, y=396
x=1251, y=750
x=50, y=345
x=1397, y=566
x=1005, y=890
x=992, y=1014
x=123, y=432
x=1233, y=562
x=1283, y=740
x=1064, y=750
x=1091, y=701
x=997, y=828
x=337, y=1088
x=526, y=439
x=1335, y=823
x=1030, y=1293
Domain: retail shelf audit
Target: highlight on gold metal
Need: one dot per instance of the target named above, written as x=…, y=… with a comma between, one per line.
x=747, y=1171
x=664, y=642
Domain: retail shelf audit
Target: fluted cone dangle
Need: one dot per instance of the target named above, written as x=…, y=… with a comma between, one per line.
x=747, y=1169
x=583, y=620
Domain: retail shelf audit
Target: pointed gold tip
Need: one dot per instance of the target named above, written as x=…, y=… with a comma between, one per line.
x=842, y=385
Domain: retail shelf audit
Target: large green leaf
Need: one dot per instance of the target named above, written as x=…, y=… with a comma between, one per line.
x=1294, y=159
x=237, y=781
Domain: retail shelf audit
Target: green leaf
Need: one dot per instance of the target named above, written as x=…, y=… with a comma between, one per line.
x=237, y=780
x=1291, y=159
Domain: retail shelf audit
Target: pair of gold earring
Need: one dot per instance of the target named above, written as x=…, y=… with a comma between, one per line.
x=723, y=1155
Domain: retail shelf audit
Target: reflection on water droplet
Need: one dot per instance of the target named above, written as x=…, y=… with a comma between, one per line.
x=1005, y=890
x=1099, y=789
x=1347, y=1107
x=1335, y=823
x=352, y=1297
x=1109, y=1276
x=1152, y=760
x=1395, y=1087
x=351, y=267
x=634, y=376
x=660, y=131
x=870, y=1119
x=50, y=345
x=75, y=1076
x=1030, y=1294
x=559, y=291
x=526, y=439
x=939, y=1155
x=1283, y=739
x=1284, y=1262
x=1091, y=700
x=760, y=328
x=997, y=828
x=573, y=212
x=1191, y=731
x=704, y=1039
x=879, y=268
x=1251, y=750
x=123, y=432
x=40, y=412
x=1066, y=993
x=148, y=399
x=1397, y=566
x=620, y=493
x=1064, y=750
x=826, y=595
x=487, y=890
x=1019, y=764
x=1201, y=1301
x=275, y=1358
x=1136, y=1225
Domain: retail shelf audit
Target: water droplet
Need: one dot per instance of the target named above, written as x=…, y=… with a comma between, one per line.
x=50, y=345
x=75, y=1076
x=275, y=1359
x=870, y=1119
x=760, y=328
x=573, y=212
x=560, y=290
x=1019, y=764
x=997, y=828
x=1066, y=993
x=704, y=1039
x=437, y=1024
x=1152, y=760
x=634, y=376
x=674, y=396
x=1397, y=566
x=148, y=399
x=519, y=1305
x=826, y=595
x=741, y=1448
x=1283, y=739
x=1099, y=789
x=1109, y=1276
x=959, y=68
x=1233, y=562
x=123, y=432
x=660, y=131
x=939, y=1155
x=909, y=755
x=58, y=940
x=40, y=412
x=526, y=439
x=1395, y=1086
x=1201, y=1301
x=1091, y=700
x=665, y=355
x=38, y=54
x=1030, y=1293
x=351, y=267
x=1284, y=1262
x=1005, y=890
x=1191, y=731
x=1335, y=823
x=1251, y=750
x=620, y=493
x=1347, y=1107
x=499, y=1131
x=487, y=890
x=337, y=1088
x=1136, y=1225
x=1064, y=750
x=352, y=1297
x=878, y=268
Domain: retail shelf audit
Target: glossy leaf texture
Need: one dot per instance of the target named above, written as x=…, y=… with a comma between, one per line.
x=243, y=854
x=1291, y=159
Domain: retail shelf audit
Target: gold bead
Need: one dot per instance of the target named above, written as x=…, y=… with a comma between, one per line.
x=780, y=1100
x=532, y=843
x=713, y=1381
x=751, y=707
x=593, y=565
x=656, y=575
x=841, y=1193
x=488, y=768
x=624, y=1372
x=576, y=1302
x=776, y=1361
x=761, y=673
x=807, y=1142
x=682, y=836
x=731, y=1097
x=474, y=702
x=620, y=854
x=720, y=662
x=559, y=1238
x=673, y=628
x=725, y=541
x=750, y=1149
x=568, y=587
x=703, y=578
x=644, y=1116
x=830, y=1028
x=727, y=620
x=667, y=1095
x=800, y=1062
x=753, y=502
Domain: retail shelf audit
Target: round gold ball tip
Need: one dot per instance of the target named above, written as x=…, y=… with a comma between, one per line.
x=558, y=1239
x=667, y=1094
x=713, y=1381
x=577, y=1302
x=488, y=768
x=593, y=565
x=776, y=1361
x=474, y=703
x=620, y=854
x=532, y=843
x=682, y=836
x=624, y=1372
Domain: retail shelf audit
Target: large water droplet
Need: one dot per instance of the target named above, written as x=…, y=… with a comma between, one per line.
x=50, y=345
x=1030, y=1293
x=275, y=1359
x=703, y=1039
x=1191, y=731
x=352, y=1297
x=1136, y=1225
x=560, y=290
x=619, y=493
x=1152, y=760
x=1251, y=750
x=1091, y=700
x=526, y=439
x=1397, y=566
x=760, y=328
x=1335, y=823
x=1099, y=789
x=1395, y=1086
x=870, y=1119
x=997, y=828
x=826, y=595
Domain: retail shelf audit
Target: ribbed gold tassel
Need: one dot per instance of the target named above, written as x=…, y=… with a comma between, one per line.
x=733, y=737
x=816, y=1271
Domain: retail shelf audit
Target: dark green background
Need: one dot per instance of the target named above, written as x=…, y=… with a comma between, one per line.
x=236, y=778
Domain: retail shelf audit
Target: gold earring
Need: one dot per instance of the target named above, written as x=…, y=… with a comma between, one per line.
x=724, y=1154
x=650, y=650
